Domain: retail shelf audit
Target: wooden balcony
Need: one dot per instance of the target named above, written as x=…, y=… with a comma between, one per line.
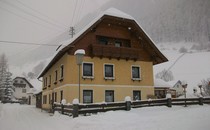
x=114, y=52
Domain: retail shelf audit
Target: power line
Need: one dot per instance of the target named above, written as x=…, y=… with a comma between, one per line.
x=40, y=13
x=26, y=18
x=26, y=43
x=74, y=12
x=30, y=14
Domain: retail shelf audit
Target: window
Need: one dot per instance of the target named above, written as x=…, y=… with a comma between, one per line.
x=109, y=96
x=61, y=95
x=49, y=80
x=127, y=44
x=16, y=81
x=55, y=96
x=136, y=73
x=45, y=99
x=21, y=81
x=56, y=76
x=87, y=70
x=136, y=95
x=23, y=90
x=118, y=43
x=103, y=40
x=46, y=81
x=62, y=67
x=108, y=71
x=87, y=96
x=49, y=99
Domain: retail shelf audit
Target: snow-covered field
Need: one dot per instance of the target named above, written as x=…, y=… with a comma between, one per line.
x=191, y=67
x=24, y=117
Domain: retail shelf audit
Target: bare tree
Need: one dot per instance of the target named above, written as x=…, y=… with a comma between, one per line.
x=165, y=75
x=206, y=86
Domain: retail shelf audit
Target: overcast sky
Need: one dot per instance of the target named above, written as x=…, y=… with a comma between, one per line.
x=37, y=21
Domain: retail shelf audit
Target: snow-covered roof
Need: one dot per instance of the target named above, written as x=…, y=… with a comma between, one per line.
x=111, y=12
x=158, y=83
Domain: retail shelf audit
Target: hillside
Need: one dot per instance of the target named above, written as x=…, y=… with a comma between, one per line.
x=191, y=67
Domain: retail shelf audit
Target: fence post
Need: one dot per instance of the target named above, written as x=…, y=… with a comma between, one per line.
x=200, y=100
x=169, y=104
x=75, y=111
x=53, y=108
x=127, y=103
x=168, y=96
x=62, y=109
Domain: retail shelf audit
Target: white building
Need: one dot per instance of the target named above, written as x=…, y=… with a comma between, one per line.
x=21, y=89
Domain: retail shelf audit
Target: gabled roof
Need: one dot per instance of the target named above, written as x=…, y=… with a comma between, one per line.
x=159, y=83
x=110, y=12
x=24, y=80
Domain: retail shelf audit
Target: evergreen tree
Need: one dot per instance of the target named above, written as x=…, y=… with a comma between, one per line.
x=6, y=87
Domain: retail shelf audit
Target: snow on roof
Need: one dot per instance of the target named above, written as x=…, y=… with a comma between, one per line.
x=111, y=12
x=161, y=83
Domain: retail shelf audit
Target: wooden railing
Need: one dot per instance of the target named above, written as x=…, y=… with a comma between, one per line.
x=114, y=52
x=76, y=109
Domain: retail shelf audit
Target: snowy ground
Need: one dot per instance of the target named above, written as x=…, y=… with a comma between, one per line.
x=24, y=117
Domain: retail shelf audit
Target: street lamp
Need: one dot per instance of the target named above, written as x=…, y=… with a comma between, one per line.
x=200, y=86
x=184, y=86
x=79, y=59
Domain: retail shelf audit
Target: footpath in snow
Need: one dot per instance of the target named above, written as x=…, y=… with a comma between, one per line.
x=24, y=117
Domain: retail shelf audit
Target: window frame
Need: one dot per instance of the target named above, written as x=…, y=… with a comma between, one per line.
x=138, y=95
x=23, y=90
x=88, y=77
x=61, y=95
x=49, y=81
x=113, y=71
x=105, y=95
x=136, y=66
x=61, y=72
x=56, y=77
x=91, y=91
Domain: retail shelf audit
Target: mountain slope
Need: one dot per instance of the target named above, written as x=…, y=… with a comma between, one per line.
x=191, y=67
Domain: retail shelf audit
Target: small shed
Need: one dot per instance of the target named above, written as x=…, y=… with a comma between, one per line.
x=162, y=88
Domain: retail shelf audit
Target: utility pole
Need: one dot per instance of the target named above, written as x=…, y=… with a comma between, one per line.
x=72, y=31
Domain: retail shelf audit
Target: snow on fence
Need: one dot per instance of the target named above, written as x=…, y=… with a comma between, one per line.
x=76, y=109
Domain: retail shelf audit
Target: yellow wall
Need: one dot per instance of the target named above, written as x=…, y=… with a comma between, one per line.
x=122, y=85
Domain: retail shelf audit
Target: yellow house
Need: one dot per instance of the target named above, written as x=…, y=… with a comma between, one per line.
x=118, y=62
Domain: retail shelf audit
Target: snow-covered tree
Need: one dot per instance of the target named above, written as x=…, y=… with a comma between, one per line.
x=206, y=86
x=6, y=87
x=165, y=75
x=3, y=69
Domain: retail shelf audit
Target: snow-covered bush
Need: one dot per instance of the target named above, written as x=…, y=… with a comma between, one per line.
x=75, y=101
x=183, y=50
x=127, y=98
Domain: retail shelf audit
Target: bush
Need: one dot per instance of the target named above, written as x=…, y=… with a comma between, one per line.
x=183, y=50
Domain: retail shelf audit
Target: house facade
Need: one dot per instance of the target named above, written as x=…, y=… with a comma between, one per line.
x=177, y=85
x=21, y=89
x=118, y=62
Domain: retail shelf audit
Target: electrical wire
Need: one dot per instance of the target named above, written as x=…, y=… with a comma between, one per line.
x=26, y=43
x=44, y=15
x=26, y=18
x=41, y=19
x=74, y=13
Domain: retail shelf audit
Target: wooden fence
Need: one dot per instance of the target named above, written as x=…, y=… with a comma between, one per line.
x=76, y=109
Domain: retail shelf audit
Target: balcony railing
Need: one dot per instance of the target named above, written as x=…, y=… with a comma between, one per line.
x=114, y=52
